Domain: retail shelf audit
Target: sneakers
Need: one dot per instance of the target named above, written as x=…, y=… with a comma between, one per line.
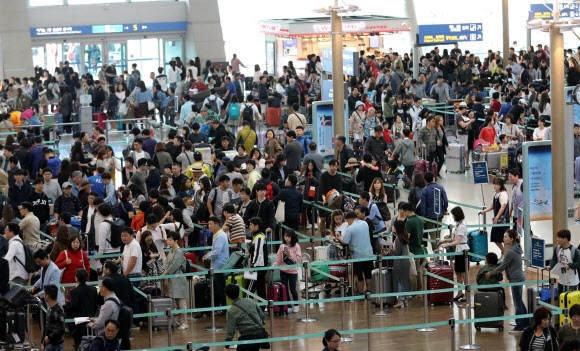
x=399, y=304
x=405, y=303
x=294, y=309
x=577, y=221
x=309, y=226
x=183, y=327
x=315, y=226
x=516, y=330
x=290, y=310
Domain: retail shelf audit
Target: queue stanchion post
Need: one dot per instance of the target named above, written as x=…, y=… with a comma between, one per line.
x=381, y=311
x=343, y=338
x=169, y=314
x=313, y=204
x=312, y=247
x=213, y=327
x=369, y=308
x=426, y=303
x=351, y=278
x=191, y=299
x=306, y=274
x=42, y=317
x=150, y=320
x=452, y=325
x=471, y=345
x=271, y=313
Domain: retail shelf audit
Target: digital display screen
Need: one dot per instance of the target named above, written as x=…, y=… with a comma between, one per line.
x=108, y=28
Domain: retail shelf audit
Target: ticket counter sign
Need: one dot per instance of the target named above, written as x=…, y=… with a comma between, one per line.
x=436, y=34
x=544, y=11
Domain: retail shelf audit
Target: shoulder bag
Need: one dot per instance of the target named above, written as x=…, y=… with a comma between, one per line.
x=281, y=210
x=265, y=345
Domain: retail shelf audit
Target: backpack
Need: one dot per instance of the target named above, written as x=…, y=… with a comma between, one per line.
x=125, y=319
x=49, y=93
x=54, y=164
x=87, y=341
x=232, y=137
x=29, y=264
x=117, y=225
x=234, y=112
x=293, y=94
x=236, y=201
x=270, y=191
x=118, y=209
x=384, y=211
x=202, y=212
x=248, y=113
x=214, y=106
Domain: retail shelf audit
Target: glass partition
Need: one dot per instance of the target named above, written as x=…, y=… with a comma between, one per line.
x=38, y=56
x=145, y=53
x=93, y=58
x=118, y=55
x=173, y=49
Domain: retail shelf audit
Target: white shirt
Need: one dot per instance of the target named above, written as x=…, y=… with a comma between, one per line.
x=193, y=71
x=172, y=75
x=170, y=227
x=90, y=212
x=16, y=250
x=138, y=155
x=159, y=238
x=104, y=237
x=570, y=277
x=341, y=228
x=219, y=101
x=132, y=250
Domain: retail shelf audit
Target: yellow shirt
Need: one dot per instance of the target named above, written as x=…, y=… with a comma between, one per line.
x=204, y=167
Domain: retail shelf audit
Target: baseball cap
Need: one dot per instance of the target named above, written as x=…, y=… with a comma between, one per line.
x=522, y=101
x=66, y=185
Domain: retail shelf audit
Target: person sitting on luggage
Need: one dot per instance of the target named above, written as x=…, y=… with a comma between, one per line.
x=567, y=257
x=245, y=316
x=52, y=337
x=109, y=340
x=481, y=279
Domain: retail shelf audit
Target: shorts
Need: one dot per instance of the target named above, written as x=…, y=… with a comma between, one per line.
x=463, y=139
x=264, y=108
x=363, y=270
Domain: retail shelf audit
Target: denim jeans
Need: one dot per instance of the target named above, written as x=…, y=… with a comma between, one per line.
x=289, y=279
x=51, y=347
x=520, y=307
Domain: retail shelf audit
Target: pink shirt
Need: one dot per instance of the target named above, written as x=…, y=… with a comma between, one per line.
x=295, y=255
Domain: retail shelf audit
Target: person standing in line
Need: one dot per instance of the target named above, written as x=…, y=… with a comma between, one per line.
x=218, y=256
x=428, y=206
x=517, y=195
x=290, y=252
x=512, y=264
x=501, y=210
x=175, y=265
x=52, y=336
x=568, y=257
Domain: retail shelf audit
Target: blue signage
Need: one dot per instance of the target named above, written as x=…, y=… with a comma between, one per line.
x=108, y=28
x=480, y=175
x=544, y=11
x=538, y=259
x=450, y=33
x=348, y=61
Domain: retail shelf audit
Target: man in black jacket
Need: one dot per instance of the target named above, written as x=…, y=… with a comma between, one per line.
x=261, y=207
x=19, y=191
x=376, y=145
x=83, y=303
x=39, y=201
x=220, y=132
x=98, y=96
x=123, y=286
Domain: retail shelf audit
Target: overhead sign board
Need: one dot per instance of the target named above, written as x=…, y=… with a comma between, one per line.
x=450, y=33
x=544, y=11
x=108, y=28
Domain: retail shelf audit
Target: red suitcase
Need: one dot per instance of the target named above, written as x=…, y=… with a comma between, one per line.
x=277, y=292
x=339, y=270
x=273, y=116
x=444, y=271
x=101, y=119
x=192, y=258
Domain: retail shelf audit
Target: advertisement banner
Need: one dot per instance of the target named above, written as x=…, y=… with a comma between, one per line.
x=544, y=11
x=323, y=126
x=538, y=180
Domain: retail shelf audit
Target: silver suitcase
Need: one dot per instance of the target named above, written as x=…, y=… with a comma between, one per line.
x=494, y=160
x=455, y=158
x=387, y=287
x=161, y=305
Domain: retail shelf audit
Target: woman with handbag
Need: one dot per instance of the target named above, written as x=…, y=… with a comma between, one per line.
x=178, y=287
x=401, y=267
x=70, y=260
x=311, y=182
x=501, y=210
x=458, y=240
x=291, y=199
x=272, y=148
x=152, y=265
x=289, y=253
x=144, y=101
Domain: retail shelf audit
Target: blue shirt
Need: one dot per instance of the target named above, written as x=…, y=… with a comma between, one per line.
x=109, y=195
x=428, y=199
x=232, y=89
x=304, y=141
x=143, y=96
x=98, y=186
x=375, y=216
x=185, y=111
x=358, y=237
x=220, y=251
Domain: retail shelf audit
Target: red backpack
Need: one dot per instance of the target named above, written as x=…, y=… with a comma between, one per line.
x=270, y=191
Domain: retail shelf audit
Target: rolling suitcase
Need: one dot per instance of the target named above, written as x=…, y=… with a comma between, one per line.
x=445, y=271
x=15, y=327
x=192, y=258
x=477, y=242
x=386, y=288
x=160, y=305
x=421, y=165
x=277, y=292
x=17, y=296
x=262, y=139
x=488, y=304
x=455, y=158
x=496, y=160
x=100, y=118
x=273, y=116
x=74, y=117
x=321, y=253
x=567, y=300
x=239, y=281
x=202, y=295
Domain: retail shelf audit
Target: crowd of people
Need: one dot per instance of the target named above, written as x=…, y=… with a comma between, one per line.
x=171, y=188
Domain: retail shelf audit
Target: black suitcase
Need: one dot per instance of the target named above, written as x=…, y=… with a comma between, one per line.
x=17, y=296
x=202, y=295
x=488, y=304
x=15, y=327
x=75, y=119
x=249, y=85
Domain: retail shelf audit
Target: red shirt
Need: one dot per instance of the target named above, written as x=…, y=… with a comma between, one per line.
x=488, y=135
x=495, y=105
x=199, y=86
x=387, y=136
x=79, y=259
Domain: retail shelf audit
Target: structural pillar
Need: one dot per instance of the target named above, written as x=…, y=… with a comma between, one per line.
x=506, y=31
x=15, y=41
x=337, y=71
x=559, y=157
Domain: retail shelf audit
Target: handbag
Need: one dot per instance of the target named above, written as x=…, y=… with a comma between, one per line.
x=265, y=345
x=250, y=275
x=412, y=267
x=288, y=260
x=311, y=192
x=150, y=105
x=281, y=210
x=64, y=269
x=123, y=110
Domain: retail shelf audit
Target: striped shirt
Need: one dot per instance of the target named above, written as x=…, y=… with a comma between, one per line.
x=237, y=229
